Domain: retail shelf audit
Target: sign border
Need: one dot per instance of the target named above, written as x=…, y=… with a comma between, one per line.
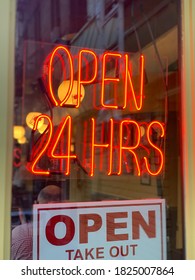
x=101, y=204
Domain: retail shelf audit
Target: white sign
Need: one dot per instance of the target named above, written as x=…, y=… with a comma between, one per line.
x=110, y=230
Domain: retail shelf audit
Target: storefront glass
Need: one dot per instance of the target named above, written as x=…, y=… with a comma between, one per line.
x=97, y=106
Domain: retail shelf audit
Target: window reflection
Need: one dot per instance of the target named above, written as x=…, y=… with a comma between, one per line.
x=149, y=28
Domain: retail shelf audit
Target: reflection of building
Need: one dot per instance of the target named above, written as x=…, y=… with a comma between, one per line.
x=147, y=27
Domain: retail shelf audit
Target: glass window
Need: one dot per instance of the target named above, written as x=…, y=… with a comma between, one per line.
x=97, y=108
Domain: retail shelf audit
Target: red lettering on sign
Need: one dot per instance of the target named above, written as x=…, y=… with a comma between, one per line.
x=129, y=148
x=112, y=226
x=100, y=253
x=86, y=254
x=118, y=139
x=85, y=228
x=66, y=123
x=85, y=82
x=117, y=228
x=62, y=138
x=128, y=76
x=17, y=157
x=78, y=255
x=139, y=221
x=50, y=230
x=51, y=93
x=111, y=147
x=91, y=58
x=38, y=154
x=106, y=79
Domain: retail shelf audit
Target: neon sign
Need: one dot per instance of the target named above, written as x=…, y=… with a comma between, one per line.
x=17, y=157
x=119, y=139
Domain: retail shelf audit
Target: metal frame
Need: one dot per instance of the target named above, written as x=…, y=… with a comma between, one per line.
x=188, y=122
x=7, y=47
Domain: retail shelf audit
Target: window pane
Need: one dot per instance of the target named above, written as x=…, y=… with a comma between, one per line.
x=97, y=108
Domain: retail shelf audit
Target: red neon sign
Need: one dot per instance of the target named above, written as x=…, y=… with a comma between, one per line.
x=85, y=82
x=106, y=146
x=67, y=122
x=38, y=154
x=128, y=76
x=116, y=130
x=122, y=65
x=156, y=148
x=17, y=157
x=51, y=92
x=106, y=79
x=129, y=148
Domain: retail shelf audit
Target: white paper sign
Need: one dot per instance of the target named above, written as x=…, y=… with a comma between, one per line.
x=110, y=230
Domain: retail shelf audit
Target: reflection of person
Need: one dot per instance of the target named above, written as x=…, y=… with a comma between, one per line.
x=22, y=235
